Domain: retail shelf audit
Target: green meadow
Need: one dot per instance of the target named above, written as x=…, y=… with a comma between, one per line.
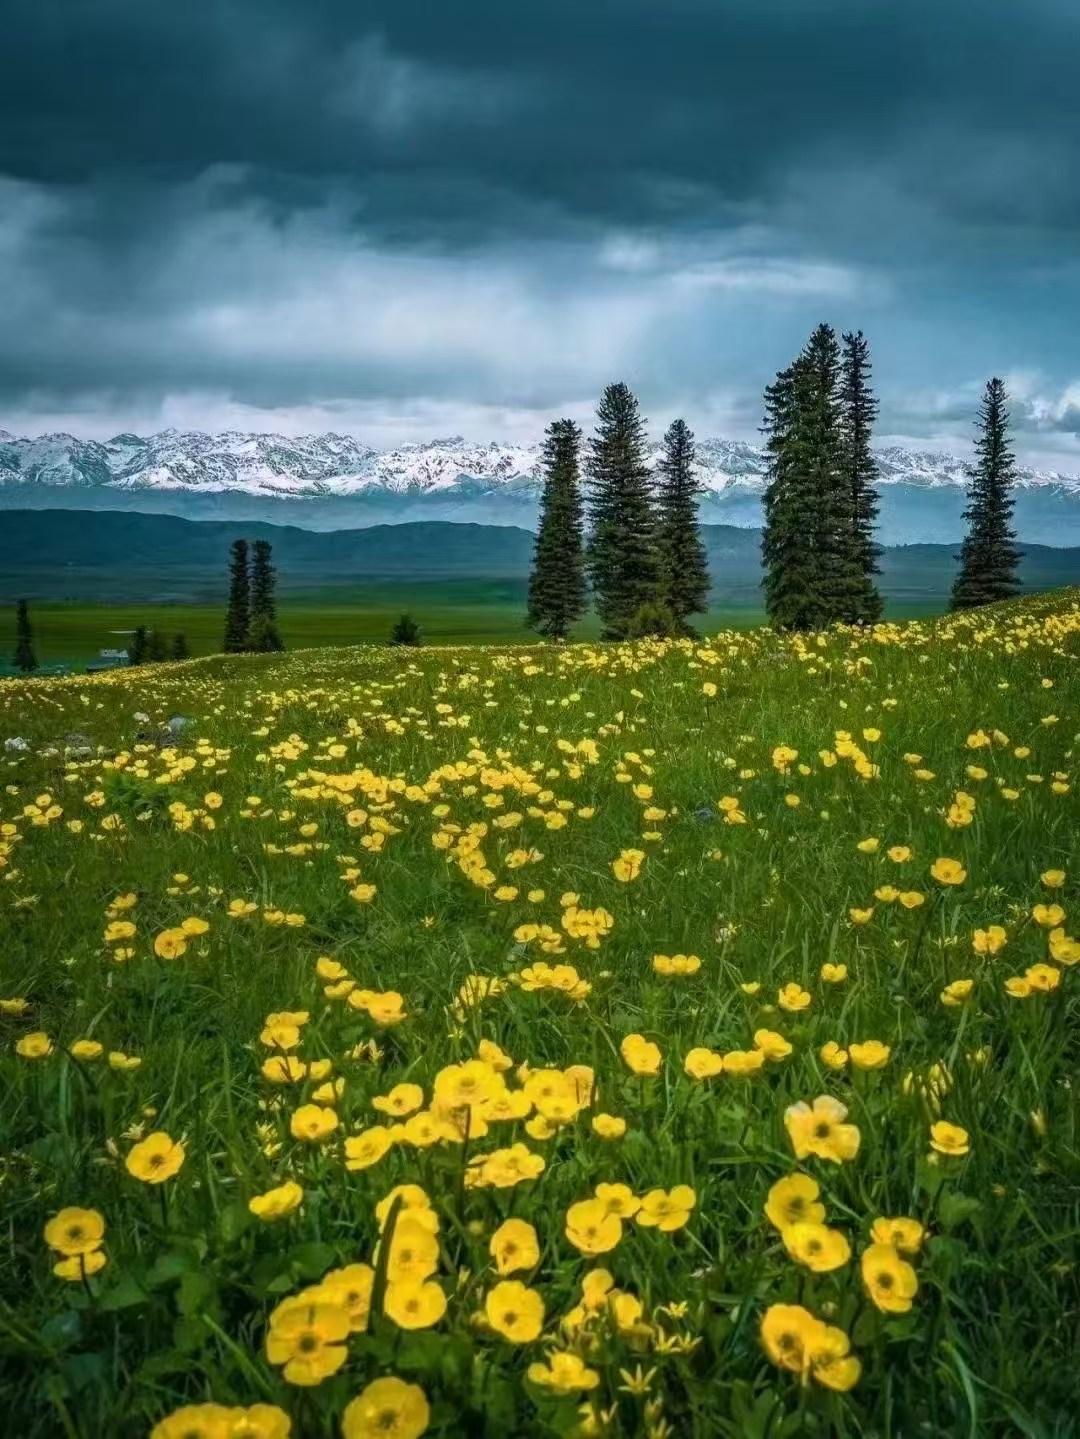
x=674, y=1039
x=449, y=612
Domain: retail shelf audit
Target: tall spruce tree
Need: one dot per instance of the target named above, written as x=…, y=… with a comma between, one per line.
x=622, y=557
x=792, y=599
x=238, y=614
x=684, y=568
x=821, y=455
x=988, y=556
x=263, y=632
x=812, y=577
x=557, y=591
x=156, y=648
x=179, y=649
x=24, y=658
x=858, y=410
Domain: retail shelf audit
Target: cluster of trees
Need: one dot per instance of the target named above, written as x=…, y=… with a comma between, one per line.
x=820, y=503
x=629, y=536
x=152, y=647
x=820, y=507
x=251, y=617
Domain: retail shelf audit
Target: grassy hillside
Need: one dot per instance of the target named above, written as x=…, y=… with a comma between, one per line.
x=449, y=612
x=715, y=1004
x=91, y=574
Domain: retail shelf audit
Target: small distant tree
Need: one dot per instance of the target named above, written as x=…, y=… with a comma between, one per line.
x=179, y=649
x=684, y=568
x=263, y=634
x=406, y=632
x=24, y=658
x=238, y=614
x=557, y=582
x=988, y=556
x=137, y=649
x=156, y=649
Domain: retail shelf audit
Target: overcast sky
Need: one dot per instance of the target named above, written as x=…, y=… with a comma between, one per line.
x=411, y=219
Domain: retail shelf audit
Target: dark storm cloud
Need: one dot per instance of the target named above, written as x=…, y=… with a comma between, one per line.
x=195, y=196
x=632, y=112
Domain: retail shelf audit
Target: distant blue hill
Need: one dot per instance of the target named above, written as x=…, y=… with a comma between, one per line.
x=108, y=555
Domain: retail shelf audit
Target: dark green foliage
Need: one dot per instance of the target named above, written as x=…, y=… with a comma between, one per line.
x=156, y=649
x=406, y=632
x=263, y=637
x=812, y=574
x=684, y=570
x=138, y=647
x=557, y=591
x=262, y=580
x=821, y=453
x=263, y=634
x=24, y=658
x=238, y=614
x=988, y=556
x=858, y=410
x=654, y=621
x=179, y=649
x=622, y=556
x=790, y=584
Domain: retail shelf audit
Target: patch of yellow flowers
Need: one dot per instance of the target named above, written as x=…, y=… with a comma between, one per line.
x=419, y=989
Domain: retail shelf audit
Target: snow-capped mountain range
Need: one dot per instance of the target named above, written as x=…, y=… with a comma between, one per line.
x=273, y=466
x=332, y=481
x=336, y=465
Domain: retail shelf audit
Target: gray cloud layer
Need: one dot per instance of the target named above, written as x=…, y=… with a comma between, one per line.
x=385, y=214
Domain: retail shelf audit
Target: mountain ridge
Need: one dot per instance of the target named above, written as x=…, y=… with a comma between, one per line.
x=264, y=461
x=332, y=481
x=78, y=554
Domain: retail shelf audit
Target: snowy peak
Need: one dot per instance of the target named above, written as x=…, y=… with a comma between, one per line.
x=269, y=466
x=250, y=463
x=444, y=464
